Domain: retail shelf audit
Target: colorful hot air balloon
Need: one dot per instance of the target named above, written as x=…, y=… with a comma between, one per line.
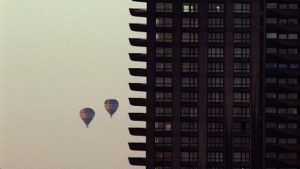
x=111, y=106
x=87, y=115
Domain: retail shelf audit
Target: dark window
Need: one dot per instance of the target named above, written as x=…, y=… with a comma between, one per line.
x=189, y=111
x=164, y=22
x=189, y=141
x=163, y=111
x=189, y=37
x=215, y=67
x=241, y=82
x=189, y=97
x=241, y=67
x=163, y=67
x=215, y=81
x=241, y=127
x=189, y=67
x=163, y=7
x=215, y=157
x=216, y=7
x=242, y=22
x=215, y=37
x=190, y=22
x=163, y=141
x=216, y=22
x=163, y=82
x=189, y=82
x=241, y=157
x=242, y=141
x=187, y=156
x=215, y=112
x=215, y=142
x=215, y=52
x=241, y=37
x=163, y=52
x=241, y=112
x=215, y=127
x=241, y=97
x=215, y=97
x=241, y=8
x=189, y=126
x=241, y=52
x=189, y=52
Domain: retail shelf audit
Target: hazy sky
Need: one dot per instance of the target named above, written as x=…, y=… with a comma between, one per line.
x=56, y=57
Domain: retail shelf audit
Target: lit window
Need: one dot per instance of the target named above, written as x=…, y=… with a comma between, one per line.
x=190, y=7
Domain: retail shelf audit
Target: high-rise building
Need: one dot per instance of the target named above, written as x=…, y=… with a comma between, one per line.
x=282, y=85
x=223, y=84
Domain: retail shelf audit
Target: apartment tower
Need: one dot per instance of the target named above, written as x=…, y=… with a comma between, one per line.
x=222, y=84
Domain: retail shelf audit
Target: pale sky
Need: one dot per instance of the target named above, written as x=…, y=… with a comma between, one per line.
x=57, y=57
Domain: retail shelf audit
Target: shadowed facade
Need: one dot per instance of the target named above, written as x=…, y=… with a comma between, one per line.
x=208, y=89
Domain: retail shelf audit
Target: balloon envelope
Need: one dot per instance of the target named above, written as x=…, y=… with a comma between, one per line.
x=111, y=106
x=87, y=115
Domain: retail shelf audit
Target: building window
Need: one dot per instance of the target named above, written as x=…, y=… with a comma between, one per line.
x=241, y=157
x=216, y=7
x=215, y=82
x=164, y=7
x=189, y=111
x=215, y=157
x=189, y=126
x=215, y=52
x=190, y=7
x=215, y=67
x=163, y=52
x=241, y=67
x=163, y=141
x=189, y=67
x=164, y=22
x=189, y=82
x=163, y=126
x=215, y=37
x=189, y=37
x=215, y=141
x=241, y=82
x=215, y=112
x=241, y=141
x=241, y=52
x=163, y=82
x=241, y=127
x=163, y=156
x=187, y=156
x=215, y=127
x=189, y=141
x=241, y=8
x=215, y=97
x=241, y=112
x=241, y=37
x=163, y=37
x=241, y=22
x=241, y=97
x=163, y=111
x=190, y=22
x=163, y=67
x=189, y=52
x=189, y=97
x=163, y=96
x=216, y=22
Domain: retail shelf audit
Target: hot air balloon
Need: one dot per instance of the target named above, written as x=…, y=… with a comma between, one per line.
x=111, y=106
x=87, y=115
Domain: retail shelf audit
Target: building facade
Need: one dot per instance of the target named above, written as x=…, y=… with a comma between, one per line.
x=222, y=88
